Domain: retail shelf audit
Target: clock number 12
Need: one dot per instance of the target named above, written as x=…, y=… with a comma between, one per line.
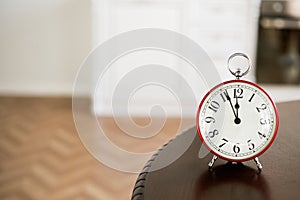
x=238, y=93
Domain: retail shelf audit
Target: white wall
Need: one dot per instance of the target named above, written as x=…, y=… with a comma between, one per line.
x=42, y=44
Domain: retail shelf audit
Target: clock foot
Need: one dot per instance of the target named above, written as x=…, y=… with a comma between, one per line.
x=211, y=163
x=258, y=164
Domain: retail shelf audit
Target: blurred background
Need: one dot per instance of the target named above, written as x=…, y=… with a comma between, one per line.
x=43, y=44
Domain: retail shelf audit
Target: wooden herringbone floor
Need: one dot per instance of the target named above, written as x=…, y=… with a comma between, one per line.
x=42, y=157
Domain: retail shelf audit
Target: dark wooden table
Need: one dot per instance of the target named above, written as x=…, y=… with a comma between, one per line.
x=189, y=178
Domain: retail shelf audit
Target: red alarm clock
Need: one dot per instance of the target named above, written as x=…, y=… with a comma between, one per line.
x=237, y=120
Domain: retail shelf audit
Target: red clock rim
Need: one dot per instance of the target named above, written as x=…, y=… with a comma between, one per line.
x=276, y=125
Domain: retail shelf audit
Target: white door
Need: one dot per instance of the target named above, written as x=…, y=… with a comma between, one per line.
x=220, y=27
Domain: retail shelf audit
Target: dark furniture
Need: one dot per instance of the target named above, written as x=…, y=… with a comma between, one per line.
x=189, y=178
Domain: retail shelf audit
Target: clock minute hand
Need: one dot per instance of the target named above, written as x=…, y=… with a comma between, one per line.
x=229, y=99
x=237, y=120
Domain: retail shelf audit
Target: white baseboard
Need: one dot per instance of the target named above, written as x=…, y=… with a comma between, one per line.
x=144, y=109
x=283, y=93
x=64, y=89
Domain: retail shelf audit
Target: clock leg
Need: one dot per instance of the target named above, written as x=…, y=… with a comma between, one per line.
x=258, y=164
x=211, y=163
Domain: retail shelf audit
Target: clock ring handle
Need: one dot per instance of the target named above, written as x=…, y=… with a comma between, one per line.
x=237, y=69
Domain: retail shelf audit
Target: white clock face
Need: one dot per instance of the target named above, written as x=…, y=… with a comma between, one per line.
x=237, y=120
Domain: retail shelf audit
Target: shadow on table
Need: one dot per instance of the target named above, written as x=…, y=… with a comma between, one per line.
x=232, y=181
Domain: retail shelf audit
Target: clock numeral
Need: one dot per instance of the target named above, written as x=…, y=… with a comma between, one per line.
x=213, y=133
x=261, y=135
x=251, y=97
x=225, y=142
x=236, y=148
x=225, y=95
x=264, y=121
x=251, y=145
x=262, y=107
x=224, y=99
x=238, y=93
x=214, y=106
x=210, y=120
